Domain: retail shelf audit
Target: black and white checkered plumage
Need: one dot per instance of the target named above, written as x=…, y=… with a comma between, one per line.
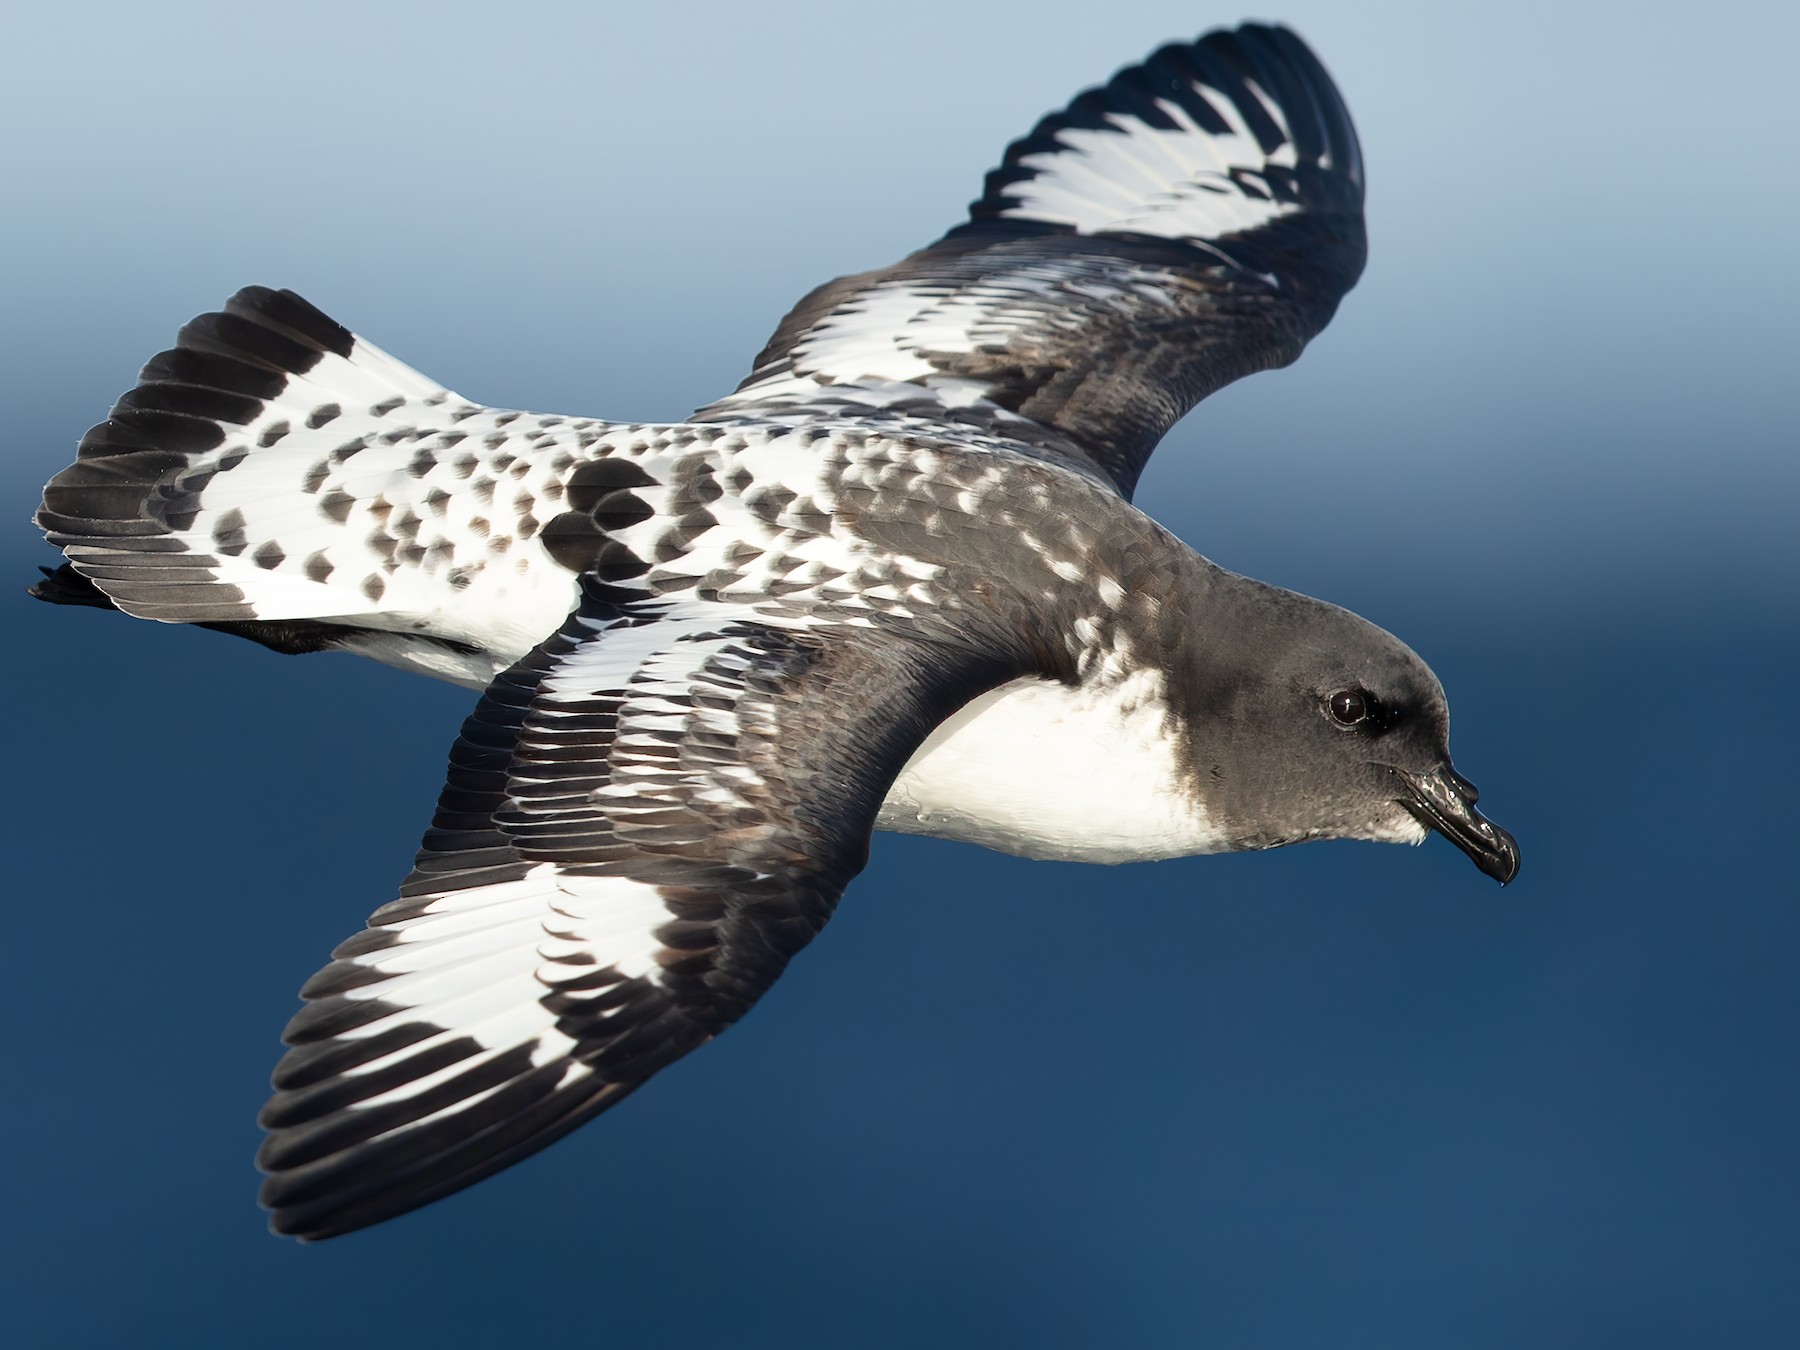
x=894, y=580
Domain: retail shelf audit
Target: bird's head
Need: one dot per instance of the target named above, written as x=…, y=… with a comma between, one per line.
x=1308, y=722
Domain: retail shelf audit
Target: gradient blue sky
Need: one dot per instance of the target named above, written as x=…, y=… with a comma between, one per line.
x=1335, y=1096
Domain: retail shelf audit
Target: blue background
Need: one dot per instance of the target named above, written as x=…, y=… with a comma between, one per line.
x=1336, y=1096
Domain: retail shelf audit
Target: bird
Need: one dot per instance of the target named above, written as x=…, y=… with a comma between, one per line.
x=894, y=580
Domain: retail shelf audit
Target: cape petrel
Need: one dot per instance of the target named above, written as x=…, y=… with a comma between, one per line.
x=894, y=580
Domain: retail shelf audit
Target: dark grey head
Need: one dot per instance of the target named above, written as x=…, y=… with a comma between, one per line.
x=1308, y=722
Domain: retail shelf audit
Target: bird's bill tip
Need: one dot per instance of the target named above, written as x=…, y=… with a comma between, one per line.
x=1444, y=800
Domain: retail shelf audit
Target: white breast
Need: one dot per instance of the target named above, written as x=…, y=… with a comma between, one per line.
x=1045, y=771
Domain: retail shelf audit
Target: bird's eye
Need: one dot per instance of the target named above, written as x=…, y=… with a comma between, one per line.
x=1349, y=707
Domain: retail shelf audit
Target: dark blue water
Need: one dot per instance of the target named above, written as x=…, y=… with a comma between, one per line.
x=1334, y=1096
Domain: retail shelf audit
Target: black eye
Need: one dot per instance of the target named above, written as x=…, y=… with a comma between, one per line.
x=1349, y=707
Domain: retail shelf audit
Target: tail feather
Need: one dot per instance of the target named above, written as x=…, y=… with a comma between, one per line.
x=273, y=467
x=238, y=382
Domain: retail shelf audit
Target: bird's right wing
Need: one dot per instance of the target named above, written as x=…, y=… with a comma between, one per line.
x=645, y=819
x=1194, y=220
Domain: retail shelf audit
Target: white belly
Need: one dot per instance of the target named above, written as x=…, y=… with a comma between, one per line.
x=1045, y=771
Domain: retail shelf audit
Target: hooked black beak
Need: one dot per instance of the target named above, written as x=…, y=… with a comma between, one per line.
x=1445, y=801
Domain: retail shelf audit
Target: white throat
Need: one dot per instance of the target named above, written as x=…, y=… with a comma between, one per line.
x=1046, y=771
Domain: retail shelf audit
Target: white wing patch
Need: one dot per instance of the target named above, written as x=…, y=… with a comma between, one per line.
x=443, y=1024
x=479, y=962
x=1183, y=184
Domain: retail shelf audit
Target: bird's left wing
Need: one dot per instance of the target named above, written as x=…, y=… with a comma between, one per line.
x=645, y=819
x=1194, y=220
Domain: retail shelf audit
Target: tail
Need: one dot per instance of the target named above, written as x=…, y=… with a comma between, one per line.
x=138, y=513
x=276, y=476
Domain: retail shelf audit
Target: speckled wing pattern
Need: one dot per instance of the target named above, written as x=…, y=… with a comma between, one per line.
x=1195, y=220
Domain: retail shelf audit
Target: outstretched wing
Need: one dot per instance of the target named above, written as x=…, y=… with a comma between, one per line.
x=645, y=819
x=1196, y=219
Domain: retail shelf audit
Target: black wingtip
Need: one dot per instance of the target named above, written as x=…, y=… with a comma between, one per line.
x=361, y=1187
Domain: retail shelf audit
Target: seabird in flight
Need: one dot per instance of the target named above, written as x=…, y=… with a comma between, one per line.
x=895, y=580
